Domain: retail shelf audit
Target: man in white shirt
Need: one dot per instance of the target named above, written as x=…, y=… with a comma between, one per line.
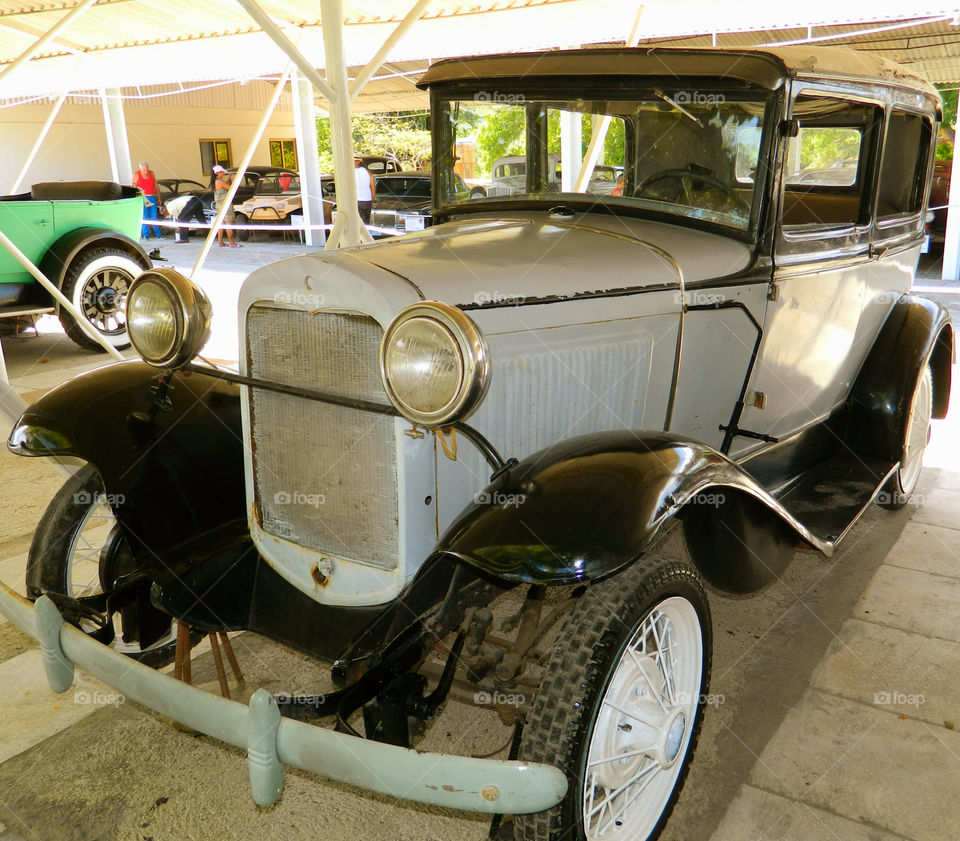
x=183, y=208
x=366, y=190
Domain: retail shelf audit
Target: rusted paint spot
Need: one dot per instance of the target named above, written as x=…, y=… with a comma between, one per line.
x=321, y=579
x=490, y=793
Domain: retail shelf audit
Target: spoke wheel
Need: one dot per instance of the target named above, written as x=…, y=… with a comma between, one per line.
x=621, y=707
x=78, y=550
x=896, y=493
x=97, y=283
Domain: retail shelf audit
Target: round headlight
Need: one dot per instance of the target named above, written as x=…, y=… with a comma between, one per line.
x=168, y=318
x=434, y=364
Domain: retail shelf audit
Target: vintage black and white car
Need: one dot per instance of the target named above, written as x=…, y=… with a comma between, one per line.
x=584, y=407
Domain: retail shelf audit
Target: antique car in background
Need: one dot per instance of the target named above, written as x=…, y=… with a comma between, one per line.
x=509, y=177
x=508, y=452
x=84, y=236
x=402, y=202
x=276, y=199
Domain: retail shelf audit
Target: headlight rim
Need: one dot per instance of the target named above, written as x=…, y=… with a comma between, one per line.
x=192, y=311
x=474, y=363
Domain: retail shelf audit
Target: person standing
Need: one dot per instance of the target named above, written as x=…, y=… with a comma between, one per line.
x=366, y=190
x=146, y=182
x=220, y=180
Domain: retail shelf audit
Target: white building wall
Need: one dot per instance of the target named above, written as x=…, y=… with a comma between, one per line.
x=165, y=132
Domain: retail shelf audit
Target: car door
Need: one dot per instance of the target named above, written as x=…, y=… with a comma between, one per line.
x=30, y=224
x=827, y=301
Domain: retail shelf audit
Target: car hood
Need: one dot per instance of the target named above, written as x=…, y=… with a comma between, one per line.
x=483, y=259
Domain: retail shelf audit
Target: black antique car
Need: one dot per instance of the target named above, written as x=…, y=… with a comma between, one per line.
x=668, y=385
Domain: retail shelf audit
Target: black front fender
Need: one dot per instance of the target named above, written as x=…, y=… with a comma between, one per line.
x=170, y=474
x=586, y=508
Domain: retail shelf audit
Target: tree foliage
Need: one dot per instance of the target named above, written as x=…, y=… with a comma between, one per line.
x=405, y=136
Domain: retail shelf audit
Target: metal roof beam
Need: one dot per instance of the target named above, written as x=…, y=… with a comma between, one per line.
x=47, y=37
x=276, y=35
x=417, y=12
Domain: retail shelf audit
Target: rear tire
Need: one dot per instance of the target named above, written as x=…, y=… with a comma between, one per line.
x=97, y=283
x=898, y=489
x=621, y=706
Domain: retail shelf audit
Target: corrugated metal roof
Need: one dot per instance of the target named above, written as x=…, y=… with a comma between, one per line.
x=163, y=42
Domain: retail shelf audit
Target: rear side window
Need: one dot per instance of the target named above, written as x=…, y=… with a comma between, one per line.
x=904, y=166
x=828, y=162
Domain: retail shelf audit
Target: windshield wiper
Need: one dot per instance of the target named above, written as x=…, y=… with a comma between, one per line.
x=679, y=107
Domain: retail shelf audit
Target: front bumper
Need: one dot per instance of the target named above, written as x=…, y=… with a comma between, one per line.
x=478, y=785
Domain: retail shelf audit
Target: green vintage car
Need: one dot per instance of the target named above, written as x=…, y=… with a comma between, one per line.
x=83, y=236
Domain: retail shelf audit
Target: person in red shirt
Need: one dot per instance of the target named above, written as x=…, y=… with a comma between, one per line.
x=146, y=182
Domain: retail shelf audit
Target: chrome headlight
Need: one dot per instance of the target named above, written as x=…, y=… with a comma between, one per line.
x=434, y=364
x=168, y=318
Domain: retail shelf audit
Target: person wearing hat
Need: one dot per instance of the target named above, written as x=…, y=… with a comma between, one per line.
x=146, y=182
x=220, y=181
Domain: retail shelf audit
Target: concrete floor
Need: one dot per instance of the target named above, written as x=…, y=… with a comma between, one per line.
x=836, y=689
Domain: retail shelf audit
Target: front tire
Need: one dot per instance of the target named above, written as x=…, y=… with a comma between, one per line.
x=621, y=707
x=241, y=219
x=97, y=283
x=78, y=550
x=898, y=489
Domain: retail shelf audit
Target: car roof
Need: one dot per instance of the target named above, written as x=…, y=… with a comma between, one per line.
x=766, y=67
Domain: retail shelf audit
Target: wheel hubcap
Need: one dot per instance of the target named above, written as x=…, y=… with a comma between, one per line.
x=643, y=725
x=104, y=300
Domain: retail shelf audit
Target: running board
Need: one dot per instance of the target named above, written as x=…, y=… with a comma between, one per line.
x=829, y=498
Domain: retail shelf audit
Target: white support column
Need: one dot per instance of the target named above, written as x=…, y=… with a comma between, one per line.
x=571, y=140
x=600, y=128
x=349, y=228
x=115, y=125
x=36, y=146
x=950, y=270
x=305, y=127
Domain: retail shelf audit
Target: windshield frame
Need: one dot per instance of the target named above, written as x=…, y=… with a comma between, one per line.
x=601, y=89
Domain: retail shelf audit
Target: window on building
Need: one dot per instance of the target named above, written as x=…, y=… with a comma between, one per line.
x=215, y=152
x=283, y=153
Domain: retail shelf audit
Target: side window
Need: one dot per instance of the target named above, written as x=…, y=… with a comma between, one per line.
x=826, y=178
x=904, y=167
x=283, y=154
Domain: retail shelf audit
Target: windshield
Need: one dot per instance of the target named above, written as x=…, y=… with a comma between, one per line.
x=671, y=151
x=407, y=188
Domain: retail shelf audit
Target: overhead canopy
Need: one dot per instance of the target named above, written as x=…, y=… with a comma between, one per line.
x=131, y=43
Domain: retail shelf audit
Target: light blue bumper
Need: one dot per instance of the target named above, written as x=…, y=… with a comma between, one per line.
x=477, y=785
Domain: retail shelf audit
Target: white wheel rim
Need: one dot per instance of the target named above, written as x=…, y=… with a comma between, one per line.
x=643, y=725
x=918, y=431
x=83, y=555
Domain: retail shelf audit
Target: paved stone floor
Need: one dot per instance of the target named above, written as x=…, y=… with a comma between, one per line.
x=837, y=689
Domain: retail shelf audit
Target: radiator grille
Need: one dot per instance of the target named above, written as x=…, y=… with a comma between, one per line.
x=325, y=475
